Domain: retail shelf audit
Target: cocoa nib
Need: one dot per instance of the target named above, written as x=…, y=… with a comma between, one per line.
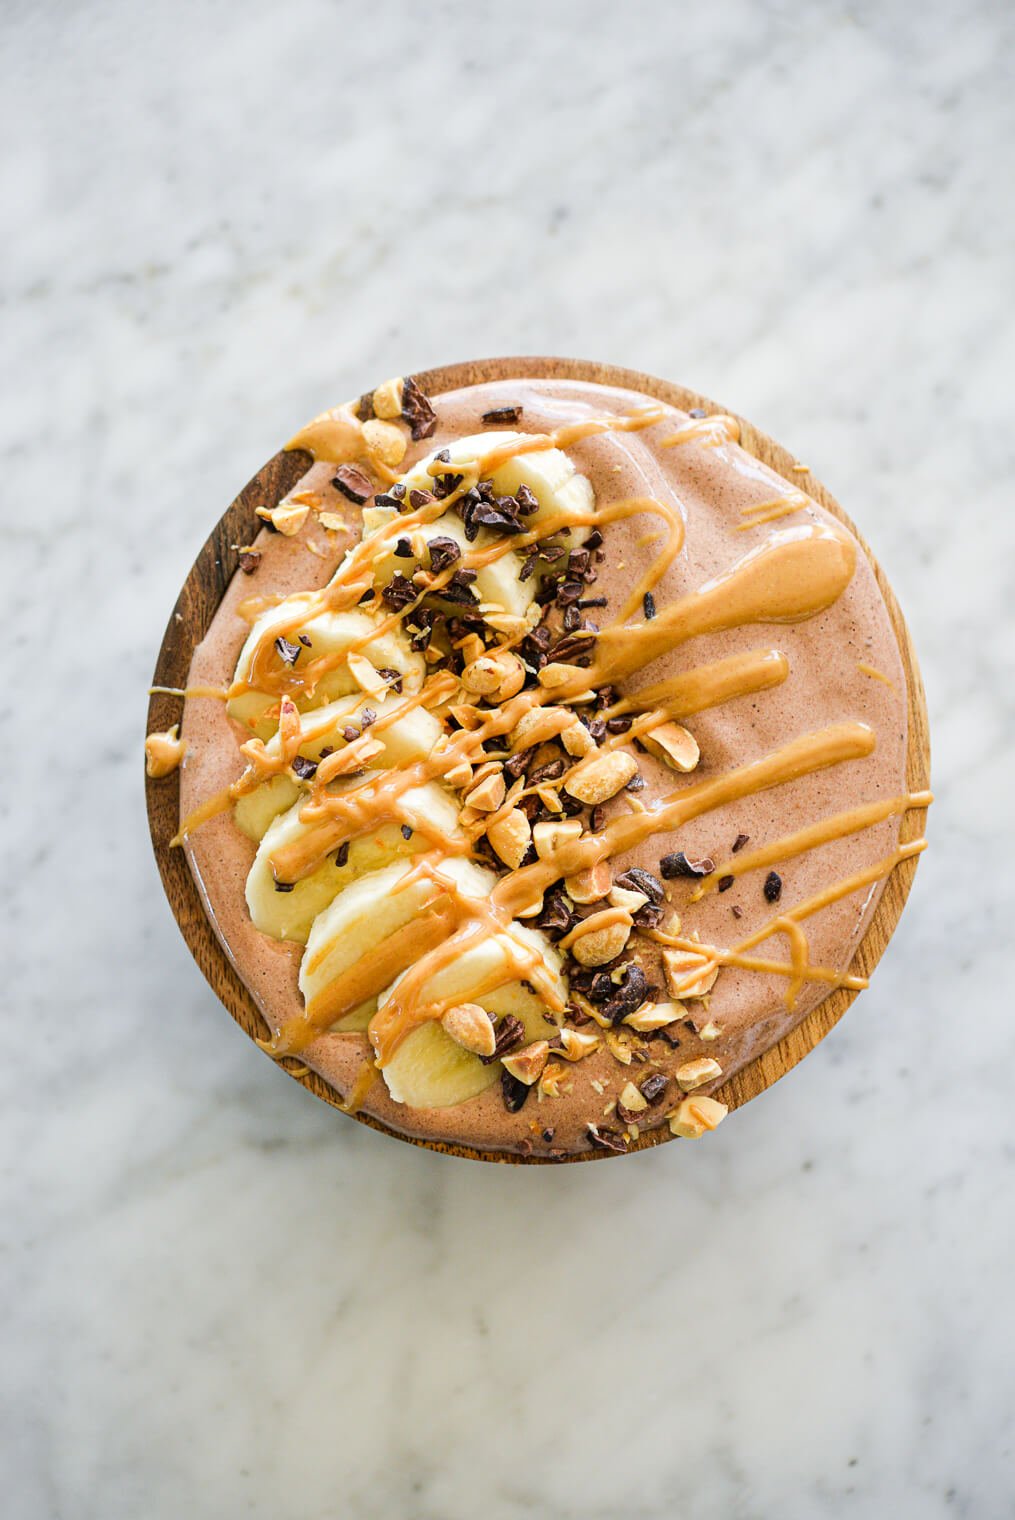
x=402, y=549
x=459, y=589
x=303, y=768
x=509, y=1034
x=648, y=603
x=628, y=996
x=288, y=652
x=443, y=553
x=353, y=484
x=637, y=880
x=513, y=1092
x=773, y=886
x=342, y=854
x=249, y=560
x=418, y=498
x=739, y=842
x=393, y=678
x=608, y=1139
x=416, y=410
x=654, y=1086
x=725, y=882
x=284, y=886
x=406, y=830
x=399, y=592
x=556, y=918
x=648, y=916
x=678, y=864
x=502, y=414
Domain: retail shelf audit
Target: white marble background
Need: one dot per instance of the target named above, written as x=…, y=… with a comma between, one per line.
x=221, y=1299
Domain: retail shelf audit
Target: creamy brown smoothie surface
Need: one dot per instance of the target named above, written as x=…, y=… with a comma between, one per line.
x=543, y=764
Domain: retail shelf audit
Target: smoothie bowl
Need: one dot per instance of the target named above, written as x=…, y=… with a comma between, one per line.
x=537, y=760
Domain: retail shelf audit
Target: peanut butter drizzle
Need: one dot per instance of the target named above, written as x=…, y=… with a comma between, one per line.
x=838, y=826
x=790, y=578
x=707, y=432
x=705, y=686
x=875, y=675
x=793, y=575
x=762, y=512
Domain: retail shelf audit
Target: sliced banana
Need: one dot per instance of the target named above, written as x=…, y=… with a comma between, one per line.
x=429, y=1070
x=351, y=930
x=329, y=633
x=289, y=915
x=549, y=474
x=408, y=738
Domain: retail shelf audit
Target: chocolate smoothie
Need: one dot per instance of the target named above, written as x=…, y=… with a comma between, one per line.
x=572, y=770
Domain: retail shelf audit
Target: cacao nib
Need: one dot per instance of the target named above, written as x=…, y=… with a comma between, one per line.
x=443, y=553
x=648, y=603
x=678, y=864
x=303, y=767
x=418, y=498
x=773, y=887
x=608, y=1139
x=629, y=995
x=287, y=651
x=353, y=484
x=509, y=1034
x=648, y=916
x=513, y=1092
x=387, y=500
x=393, y=678
x=725, y=882
x=342, y=854
x=406, y=830
x=249, y=560
x=739, y=842
x=416, y=410
x=399, y=592
x=654, y=1086
x=502, y=414
x=637, y=880
x=402, y=549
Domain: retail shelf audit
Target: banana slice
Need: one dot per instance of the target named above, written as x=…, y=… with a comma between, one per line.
x=497, y=585
x=549, y=474
x=408, y=738
x=329, y=633
x=428, y=1070
x=347, y=939
x=289, y=915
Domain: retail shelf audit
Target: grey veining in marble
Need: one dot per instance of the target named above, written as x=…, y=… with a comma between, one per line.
x=221, y=1299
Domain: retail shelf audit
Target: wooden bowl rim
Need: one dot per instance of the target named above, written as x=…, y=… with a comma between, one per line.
x=203, y=589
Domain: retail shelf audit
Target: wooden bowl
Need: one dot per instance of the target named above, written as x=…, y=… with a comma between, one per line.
x=198, y=601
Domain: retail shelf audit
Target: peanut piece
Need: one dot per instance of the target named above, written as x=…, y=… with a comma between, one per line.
x=471, y=1027
x=674, y=745
x=387, y=399
x=589, y=886
x=696, y=1073
x=510, y=837
x=528, y=1064
x=696, y=1115
x=596, y=946
x=602, y=777
x=385, y=441
x=689, y=973
x=549, y=837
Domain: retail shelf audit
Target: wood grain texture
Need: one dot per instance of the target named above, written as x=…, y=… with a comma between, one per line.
x=199, y=600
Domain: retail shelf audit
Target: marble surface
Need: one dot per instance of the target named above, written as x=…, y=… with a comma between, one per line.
x=220, y=1297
